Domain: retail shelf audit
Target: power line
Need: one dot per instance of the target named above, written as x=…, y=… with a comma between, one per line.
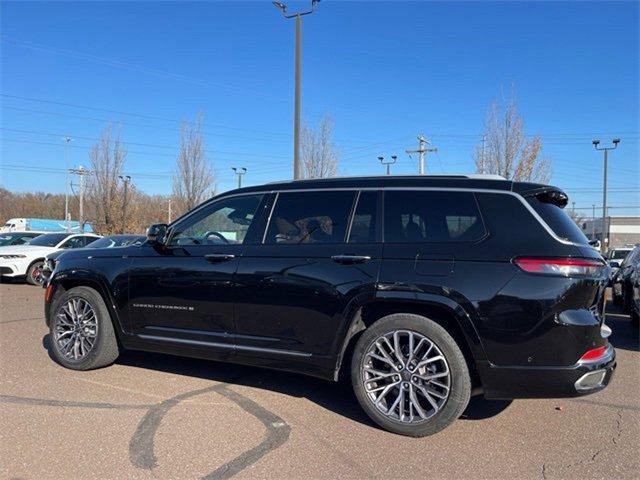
x=142, y=115
x=150, y=145
x=131, y=66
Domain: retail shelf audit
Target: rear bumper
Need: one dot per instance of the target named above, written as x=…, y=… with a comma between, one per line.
x=583, y=378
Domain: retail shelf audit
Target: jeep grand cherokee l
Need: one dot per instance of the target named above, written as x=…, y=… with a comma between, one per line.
x=419, y=290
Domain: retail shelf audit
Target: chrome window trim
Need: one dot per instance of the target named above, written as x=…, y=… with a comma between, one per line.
x=439, y=189
x=352, y=215
x=266, y=228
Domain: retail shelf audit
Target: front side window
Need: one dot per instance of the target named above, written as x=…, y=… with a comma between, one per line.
x=224, y=222
x=74, y=242
x=431, y=216
x=310, y=217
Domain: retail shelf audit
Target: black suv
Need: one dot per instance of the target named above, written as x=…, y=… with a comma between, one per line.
x=420, y=290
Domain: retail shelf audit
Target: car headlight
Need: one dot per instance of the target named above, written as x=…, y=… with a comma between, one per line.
x=13, y=256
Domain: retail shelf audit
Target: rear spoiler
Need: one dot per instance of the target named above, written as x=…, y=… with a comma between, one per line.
x=548, y=194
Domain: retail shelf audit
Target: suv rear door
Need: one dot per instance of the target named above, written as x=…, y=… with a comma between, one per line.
x=320, y=255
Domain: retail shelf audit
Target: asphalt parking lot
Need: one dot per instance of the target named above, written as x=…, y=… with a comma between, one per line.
x=157, y=416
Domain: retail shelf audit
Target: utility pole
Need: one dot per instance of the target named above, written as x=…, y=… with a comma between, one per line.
x=422, y=150
x=66, y=181
x=169, y=213
x=394, y=158
x=125, y=179
x=605, y=229
x=81, y=172
x=297, y=173
x=484, y=141
x=593, y=221
x=239, y=172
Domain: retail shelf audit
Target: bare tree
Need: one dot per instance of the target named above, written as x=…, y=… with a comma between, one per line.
x=104, y=195
x=193, y=178
x=320, y=157
x=506, y=151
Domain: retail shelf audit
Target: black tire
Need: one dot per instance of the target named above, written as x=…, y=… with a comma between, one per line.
x=34, y=272
x=460, y=387
x=105, y=349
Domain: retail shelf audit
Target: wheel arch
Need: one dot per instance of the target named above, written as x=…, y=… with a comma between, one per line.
x=64, y=282
x=444, y=311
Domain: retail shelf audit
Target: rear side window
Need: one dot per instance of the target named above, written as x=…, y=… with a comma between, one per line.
x=558, y=221
x=310, y=217
x=431, y=216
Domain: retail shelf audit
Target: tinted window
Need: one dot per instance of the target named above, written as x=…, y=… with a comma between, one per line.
x=363, y=225
x=223, y=222
x=558, y=221
x=431, y=216
x=310, y=217
x=74, y=242
x=111, y=242
x=48, y=240
x=618, y=254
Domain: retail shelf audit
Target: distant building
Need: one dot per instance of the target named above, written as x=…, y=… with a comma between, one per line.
x=622, y=230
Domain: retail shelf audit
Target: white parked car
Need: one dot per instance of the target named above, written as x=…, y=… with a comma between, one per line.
x=27, y=260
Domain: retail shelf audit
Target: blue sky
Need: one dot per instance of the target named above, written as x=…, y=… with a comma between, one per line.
x=385, y=71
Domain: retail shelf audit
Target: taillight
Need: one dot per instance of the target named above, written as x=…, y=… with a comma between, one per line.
x=595, y=354
x=565, y=267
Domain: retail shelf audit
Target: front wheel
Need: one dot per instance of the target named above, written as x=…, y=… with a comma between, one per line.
x=34, y=272
x=410, y=375
x=81, y=332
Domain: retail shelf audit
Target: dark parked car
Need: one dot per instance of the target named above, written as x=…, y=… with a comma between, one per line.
x=621, y=288
x=635, y=300
x=420, y=290
x=111, y=241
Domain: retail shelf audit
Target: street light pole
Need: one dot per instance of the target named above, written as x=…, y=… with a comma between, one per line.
x=297, y=101
x=239, y=172
x=125, y=179
x=388, y=164
x=66, y=181
x=605, y=229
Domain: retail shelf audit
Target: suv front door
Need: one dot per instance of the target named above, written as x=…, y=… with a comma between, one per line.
x=182, y=292
x=294, y=291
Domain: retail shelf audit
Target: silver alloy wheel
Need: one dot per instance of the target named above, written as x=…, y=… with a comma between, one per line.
x=406, y=376
x=75, y=328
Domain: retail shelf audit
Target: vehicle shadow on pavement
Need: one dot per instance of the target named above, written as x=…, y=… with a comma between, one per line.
x=336, y=397
x=625, y=336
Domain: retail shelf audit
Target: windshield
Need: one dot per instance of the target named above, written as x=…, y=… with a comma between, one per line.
x=558, y=221
x=110, y=242
x=48, y=240
x=7, y=238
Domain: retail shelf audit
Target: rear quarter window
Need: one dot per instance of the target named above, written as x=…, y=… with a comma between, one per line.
x=558, y=220
x=431, y=216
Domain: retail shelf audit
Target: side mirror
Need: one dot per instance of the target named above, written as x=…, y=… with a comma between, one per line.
x=156, y=234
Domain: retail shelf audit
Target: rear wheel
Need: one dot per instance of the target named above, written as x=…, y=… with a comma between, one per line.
x=409, y=375
x=81, y=332
x=34, y=272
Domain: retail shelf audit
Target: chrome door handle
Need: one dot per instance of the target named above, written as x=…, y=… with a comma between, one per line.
x=350, y=259
x=219, y=257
